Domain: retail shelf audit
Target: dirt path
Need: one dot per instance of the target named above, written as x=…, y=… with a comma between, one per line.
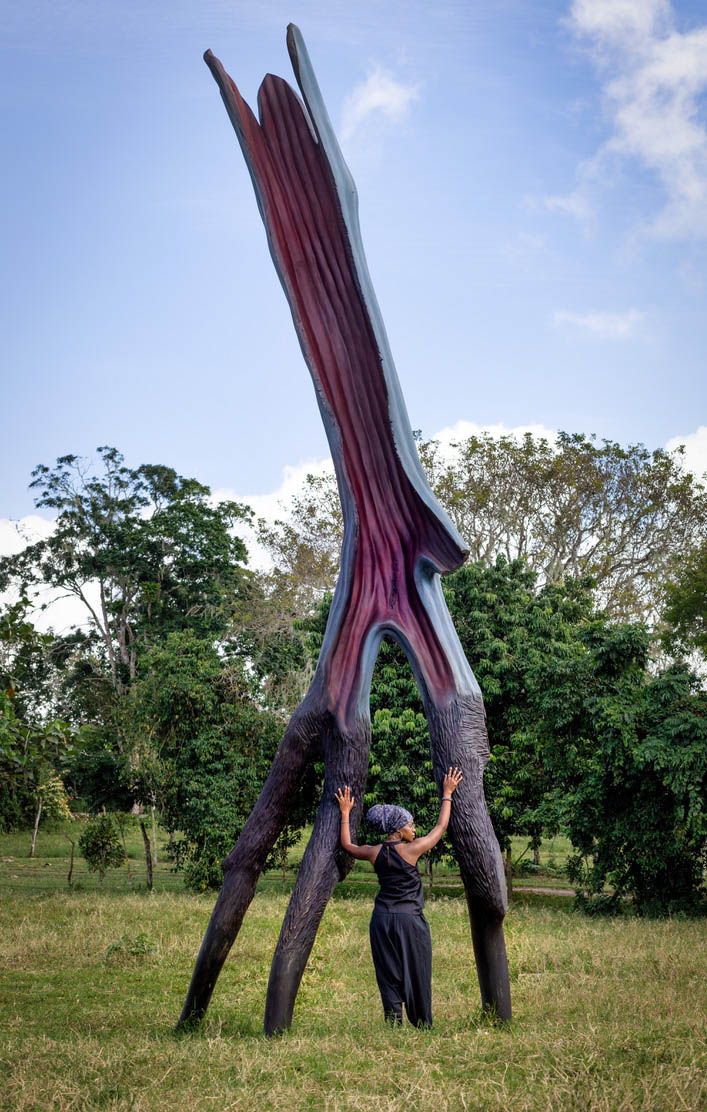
x=544, y=891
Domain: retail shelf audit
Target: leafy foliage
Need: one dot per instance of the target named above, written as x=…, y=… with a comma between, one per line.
x=177, y=692
x=400, y=767
x=31, y=758
x=575, y=508
x=685, y=609
x=130, y=948
x=522, y=642
x=570, y=510
x=100, y=844
x=202, y=748
x=634, y=800
x=147, y=541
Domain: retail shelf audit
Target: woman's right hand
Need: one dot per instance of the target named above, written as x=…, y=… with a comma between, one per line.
x=345, y=800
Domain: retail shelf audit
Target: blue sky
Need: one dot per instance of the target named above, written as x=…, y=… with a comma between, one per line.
x=532, y=178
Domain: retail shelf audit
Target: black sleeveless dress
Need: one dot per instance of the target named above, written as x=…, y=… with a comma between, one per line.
x=400, y=940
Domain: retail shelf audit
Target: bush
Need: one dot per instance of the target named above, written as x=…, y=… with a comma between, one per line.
x=101, y=846
x=126, y=948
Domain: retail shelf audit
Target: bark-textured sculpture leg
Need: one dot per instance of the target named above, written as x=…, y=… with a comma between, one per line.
x=244, y=863
x=458, y=736
x=323, y=865
x=397, y=543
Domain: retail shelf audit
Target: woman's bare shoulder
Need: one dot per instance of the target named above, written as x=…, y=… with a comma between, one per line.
x=413, y=851
x=408, y=852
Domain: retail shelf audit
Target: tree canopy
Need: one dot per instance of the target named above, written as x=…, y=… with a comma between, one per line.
x=176, y=691
x=142, y=549
x=622, y=516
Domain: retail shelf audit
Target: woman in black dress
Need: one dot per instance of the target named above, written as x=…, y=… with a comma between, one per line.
x=400, y=934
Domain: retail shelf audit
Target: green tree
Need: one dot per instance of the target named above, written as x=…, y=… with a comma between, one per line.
x=32, y=760
x=400, y=766
x=633, y=789
x=100, y=845
x=27, y=668
x=203, y=749
x=142, y=549
x=147, y=554
x=266, y=634
x=575, y=508
x=305, y=544
x=521, y=641
x=685, y=609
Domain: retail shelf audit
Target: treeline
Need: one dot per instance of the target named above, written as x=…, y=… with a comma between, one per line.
x=582, y=612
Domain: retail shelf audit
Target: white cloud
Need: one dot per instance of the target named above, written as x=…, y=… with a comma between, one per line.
x=574, y=204
x=615, y=326
x=695, y=455
x=275, y=504
x=17, y=534
x=462, y=430
x=653, y=81
x=53, y=609
x=615, y=20
x=272, y=505
x=380, y=95
x=61, y=613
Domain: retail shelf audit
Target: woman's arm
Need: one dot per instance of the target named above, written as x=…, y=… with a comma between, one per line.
x=346, y=802
x=422, y=845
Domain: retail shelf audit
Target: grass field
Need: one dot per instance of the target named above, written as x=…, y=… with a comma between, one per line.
x=608, y=1015
x=48, y=870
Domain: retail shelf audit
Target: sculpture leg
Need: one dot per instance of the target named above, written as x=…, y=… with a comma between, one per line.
x=323, y=865
x=458, y=735
x=244, y=863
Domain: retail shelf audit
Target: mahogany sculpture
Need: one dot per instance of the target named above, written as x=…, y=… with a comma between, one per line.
x=397, y=542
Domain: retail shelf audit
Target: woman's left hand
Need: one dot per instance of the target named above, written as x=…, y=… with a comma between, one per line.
x=345, y=800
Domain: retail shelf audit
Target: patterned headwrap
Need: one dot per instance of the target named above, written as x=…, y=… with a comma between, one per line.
x=385, y=818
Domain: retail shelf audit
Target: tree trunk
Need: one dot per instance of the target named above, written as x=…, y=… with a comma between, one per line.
x=148, y=854
x=125, y=851
x=106, y=632
x=37, y=817
x=397, y=541
x=71, y=863
x=154, y=834
x=429, y=870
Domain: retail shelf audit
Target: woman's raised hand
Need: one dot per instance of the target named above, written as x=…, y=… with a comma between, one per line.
x=345, y=800
x=451, y=781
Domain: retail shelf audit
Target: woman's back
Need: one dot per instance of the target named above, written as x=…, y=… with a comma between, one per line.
x=400, y=882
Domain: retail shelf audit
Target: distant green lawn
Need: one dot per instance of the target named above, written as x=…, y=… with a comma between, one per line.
x=609, y=1016
x=49, y=869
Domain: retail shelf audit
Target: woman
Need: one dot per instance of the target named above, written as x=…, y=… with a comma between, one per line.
x=400, y=934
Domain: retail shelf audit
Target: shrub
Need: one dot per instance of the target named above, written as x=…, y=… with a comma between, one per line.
x=100, y=844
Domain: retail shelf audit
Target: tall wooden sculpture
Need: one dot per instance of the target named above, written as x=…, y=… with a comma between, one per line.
x=397, y=542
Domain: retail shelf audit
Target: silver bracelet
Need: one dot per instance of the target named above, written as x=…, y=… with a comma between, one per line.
x=446, y=799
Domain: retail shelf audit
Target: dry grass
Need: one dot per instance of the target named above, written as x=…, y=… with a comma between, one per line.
x=609, y=1016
